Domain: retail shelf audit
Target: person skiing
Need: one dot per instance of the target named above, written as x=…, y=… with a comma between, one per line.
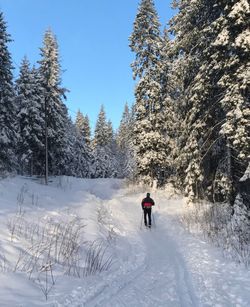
x=146, y=205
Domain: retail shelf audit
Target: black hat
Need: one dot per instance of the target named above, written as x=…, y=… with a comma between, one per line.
x=148, y=194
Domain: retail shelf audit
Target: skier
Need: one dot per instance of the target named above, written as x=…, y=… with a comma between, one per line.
x=146, y=205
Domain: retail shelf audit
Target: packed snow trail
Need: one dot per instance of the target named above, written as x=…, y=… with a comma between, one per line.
x=164, y=266
x=162, y=279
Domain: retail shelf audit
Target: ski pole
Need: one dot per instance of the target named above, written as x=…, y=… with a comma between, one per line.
x=141, y=220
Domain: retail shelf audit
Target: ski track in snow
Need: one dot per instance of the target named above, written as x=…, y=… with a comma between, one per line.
x=163, y=280
x=165, y=277
x=164, y=266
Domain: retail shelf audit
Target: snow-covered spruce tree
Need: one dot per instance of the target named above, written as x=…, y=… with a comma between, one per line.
x=149, y=131
x=132, y=167
x=175, y=125
x=50, y=72
x=124, y=133
x=82, y=151
x=64, y=155
x=8, y=134
x=124, y=139
x=168, y=122
x=86, y=129
x=202, y=149
x=145, y=38
x=69, y=152
x=112, y=150
x=82, y=125
x=185, y=29
x=77, y=153
x=212, y=42
x=232, y=54
x=100, y=134
x=103, y=163
x=30, y=146
x=81, y=157
x=79, y=122
x=145, y=42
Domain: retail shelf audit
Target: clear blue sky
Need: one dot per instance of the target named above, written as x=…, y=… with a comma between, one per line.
x=93, y=43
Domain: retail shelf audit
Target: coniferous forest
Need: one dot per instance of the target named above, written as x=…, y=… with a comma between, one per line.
x=189, y=125
x=36, y=97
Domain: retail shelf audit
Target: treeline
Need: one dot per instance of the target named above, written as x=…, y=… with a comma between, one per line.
x=192, y=122
x=37, y=97
x=192, y=110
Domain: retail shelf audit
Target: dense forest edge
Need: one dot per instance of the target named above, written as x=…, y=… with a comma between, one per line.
x=189, y=125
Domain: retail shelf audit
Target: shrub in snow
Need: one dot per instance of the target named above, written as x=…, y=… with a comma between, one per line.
x=215, y=223
x=97, y=260
x=241, y=219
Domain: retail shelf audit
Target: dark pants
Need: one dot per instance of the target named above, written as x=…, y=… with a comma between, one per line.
x=147, y=212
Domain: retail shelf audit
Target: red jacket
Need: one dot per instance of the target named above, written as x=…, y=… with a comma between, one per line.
x=147, y=203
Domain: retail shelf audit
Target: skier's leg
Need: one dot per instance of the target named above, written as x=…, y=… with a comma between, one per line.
x=145, y=216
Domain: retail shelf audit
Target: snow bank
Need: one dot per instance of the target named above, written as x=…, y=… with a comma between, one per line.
x=49, y=235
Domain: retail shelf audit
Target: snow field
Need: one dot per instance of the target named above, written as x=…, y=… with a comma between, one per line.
x=164, y=266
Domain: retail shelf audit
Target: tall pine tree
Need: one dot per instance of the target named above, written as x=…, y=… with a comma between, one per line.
x=30, y=120
x=50, y=72
x=145, y=41
x=8, y=127
x=103, y=164
x=232, y=54
x=201, y=148
x=211, y=43
x=124, y=139
x=83, y=156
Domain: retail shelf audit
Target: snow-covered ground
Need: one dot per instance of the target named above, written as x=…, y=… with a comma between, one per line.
x=164, y=266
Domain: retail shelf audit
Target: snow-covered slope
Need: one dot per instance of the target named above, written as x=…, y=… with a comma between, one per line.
x=164, y=266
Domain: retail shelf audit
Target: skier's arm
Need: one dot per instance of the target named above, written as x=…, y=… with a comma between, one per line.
x=142, y=204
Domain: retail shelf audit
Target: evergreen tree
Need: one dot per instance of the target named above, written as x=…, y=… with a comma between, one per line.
x=201, y=148
x=79, y=123
x=86, y=129
x=124, y=132
x=99, y=168
x=82, y=149
x=50, y=72
x=110, y=132
x=232, y=53
x=30, y=120
x=145, y=41
x=166, y=113
x=103, y=165
x=8, y=134
x=101, y=129
x=70, y=168
x=39, y=155
x=149, y=140
x=124, y=139
x=209, y=63
x=83, y=128
x=112, y=151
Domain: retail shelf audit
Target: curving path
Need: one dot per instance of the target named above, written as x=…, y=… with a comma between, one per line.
x=164, y=266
